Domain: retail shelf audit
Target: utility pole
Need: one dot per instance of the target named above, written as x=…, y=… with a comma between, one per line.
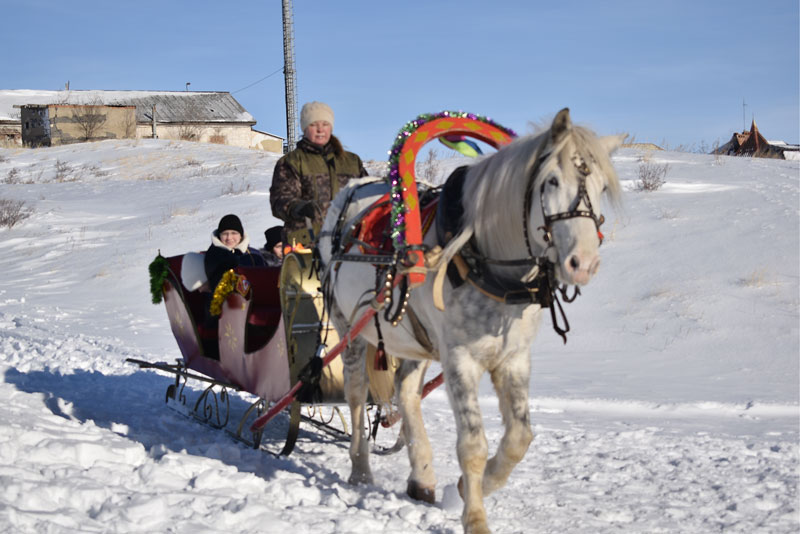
x=289, y=76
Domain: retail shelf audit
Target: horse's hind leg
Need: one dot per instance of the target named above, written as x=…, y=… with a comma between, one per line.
x=356, y=385
x=511, y=382
x=422, y=480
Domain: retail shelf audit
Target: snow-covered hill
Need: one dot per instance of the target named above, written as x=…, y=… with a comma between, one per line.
x=674, y=406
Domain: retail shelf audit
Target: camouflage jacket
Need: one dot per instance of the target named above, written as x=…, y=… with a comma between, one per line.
x=311, y=172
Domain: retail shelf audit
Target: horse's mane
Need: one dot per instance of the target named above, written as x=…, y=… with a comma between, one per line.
x=495, y=187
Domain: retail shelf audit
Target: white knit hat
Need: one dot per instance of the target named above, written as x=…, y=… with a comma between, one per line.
x=313, y=112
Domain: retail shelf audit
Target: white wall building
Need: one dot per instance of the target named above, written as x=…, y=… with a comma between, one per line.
x=203, y=116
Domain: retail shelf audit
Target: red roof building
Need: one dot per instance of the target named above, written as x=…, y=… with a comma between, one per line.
x=751, y=144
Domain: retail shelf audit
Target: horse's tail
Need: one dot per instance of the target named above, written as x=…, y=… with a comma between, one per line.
x=438, y=260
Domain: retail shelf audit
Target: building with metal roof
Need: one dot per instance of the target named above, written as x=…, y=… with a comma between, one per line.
x=203, y=116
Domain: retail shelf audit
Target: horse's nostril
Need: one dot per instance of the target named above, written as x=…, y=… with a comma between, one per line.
x=574, y=263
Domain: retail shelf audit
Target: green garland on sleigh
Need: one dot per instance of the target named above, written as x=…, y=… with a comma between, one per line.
x=159, y=270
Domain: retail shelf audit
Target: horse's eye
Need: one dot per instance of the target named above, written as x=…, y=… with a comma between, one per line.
x=605, y=188
x=553, y=181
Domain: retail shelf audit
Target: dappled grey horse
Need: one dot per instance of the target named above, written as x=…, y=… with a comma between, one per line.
x=530, y=222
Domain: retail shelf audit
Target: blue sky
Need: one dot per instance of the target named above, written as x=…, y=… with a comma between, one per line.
x=668, y=72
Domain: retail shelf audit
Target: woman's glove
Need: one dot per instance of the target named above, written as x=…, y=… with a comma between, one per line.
x=306, y=208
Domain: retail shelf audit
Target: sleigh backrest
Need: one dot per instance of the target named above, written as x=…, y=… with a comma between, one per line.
x=264, y=313
x=265, y=300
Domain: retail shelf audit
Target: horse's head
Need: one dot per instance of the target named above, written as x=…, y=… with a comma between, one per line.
x=570, y=173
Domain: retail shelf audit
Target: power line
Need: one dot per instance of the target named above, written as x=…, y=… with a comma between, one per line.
x=258, y=81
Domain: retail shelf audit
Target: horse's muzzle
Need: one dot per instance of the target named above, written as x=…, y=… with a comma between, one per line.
x=579, y=268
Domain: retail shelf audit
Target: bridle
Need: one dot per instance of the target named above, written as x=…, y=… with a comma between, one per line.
x=572, y=213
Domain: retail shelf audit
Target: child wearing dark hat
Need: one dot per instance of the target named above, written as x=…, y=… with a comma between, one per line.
x=273, y=248
x=229, y=249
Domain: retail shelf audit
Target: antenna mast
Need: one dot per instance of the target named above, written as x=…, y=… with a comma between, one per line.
x=744, y=121
x=289, y=76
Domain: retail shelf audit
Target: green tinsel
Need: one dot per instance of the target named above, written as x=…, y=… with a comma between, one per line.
x=159, y=269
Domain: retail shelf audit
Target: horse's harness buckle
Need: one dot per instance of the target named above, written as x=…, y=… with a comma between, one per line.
x=546, y=233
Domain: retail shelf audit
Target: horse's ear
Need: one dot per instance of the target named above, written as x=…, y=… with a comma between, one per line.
x=612, y=142
x=561, y=125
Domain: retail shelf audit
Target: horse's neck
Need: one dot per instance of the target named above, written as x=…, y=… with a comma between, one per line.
x=505, y=237
x=502, y=231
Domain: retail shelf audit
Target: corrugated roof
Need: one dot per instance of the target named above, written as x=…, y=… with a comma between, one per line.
x=171, y=106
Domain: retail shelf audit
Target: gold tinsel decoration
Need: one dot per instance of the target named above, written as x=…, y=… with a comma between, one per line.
x=225, y=287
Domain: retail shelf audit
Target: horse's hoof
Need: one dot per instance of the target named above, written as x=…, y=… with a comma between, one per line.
x=421, y=493
x=476, y=524
x=360, y=478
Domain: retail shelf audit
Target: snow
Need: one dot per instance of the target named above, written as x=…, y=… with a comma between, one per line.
x=674, y=406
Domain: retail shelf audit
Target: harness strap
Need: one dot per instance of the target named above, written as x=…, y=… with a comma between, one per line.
x=433, y=257
x=420, y=332
x=381, y=363
x=559, y=330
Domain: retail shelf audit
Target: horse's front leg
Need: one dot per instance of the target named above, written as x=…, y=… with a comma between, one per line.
x=511, y=382
x=408, y=383
x=461, y=376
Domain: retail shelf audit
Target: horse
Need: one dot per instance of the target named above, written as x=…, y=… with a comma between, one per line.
x=528, y=216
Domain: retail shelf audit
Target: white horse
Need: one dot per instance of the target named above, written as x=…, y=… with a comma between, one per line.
x=528, y=209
